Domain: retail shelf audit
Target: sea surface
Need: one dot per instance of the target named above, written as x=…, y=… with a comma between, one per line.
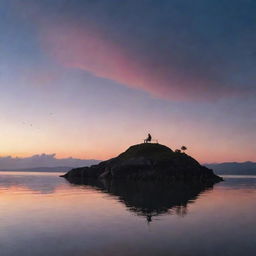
x=43, y=214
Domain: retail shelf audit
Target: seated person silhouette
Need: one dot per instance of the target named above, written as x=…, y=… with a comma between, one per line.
x=148, y=139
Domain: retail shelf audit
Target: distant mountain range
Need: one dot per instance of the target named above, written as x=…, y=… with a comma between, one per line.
x=245, y=168
x=43, y=161
x=41, y=169
x=49, y=163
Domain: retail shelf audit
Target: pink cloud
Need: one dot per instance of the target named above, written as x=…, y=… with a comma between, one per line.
x=90, y=49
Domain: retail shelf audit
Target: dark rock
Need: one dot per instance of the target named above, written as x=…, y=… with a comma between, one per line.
x=148, y=161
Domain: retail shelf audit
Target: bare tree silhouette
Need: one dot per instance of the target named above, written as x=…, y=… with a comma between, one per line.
x=183, y=148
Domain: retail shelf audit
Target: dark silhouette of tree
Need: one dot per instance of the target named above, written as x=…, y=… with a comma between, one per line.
x=183, y=148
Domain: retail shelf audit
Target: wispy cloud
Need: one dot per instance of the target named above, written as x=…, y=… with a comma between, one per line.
x=93, y=51
x=178, y=50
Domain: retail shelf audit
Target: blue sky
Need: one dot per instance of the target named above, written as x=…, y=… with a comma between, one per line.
x=89, y=78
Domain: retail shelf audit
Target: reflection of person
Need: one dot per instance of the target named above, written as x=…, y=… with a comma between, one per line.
x=149, y=218
x=148, y=139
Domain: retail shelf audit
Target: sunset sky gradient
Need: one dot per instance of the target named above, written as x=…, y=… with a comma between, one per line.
x=90, y=78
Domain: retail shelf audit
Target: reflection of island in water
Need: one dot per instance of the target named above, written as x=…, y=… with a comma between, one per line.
x=148, y=198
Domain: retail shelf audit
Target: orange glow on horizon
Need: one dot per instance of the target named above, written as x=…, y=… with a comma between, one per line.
x=103, y=154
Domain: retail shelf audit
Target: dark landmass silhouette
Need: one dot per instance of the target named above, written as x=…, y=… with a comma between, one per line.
x=148, y=161
x=244, y=168
x=148, y=198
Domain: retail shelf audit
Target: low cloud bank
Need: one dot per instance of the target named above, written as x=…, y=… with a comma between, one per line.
x=43, y=160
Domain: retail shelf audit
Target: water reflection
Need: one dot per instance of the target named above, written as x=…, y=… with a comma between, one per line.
x=40, y=211
x=148, y=198
x=41, y=183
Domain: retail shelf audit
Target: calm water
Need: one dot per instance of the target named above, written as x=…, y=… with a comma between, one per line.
x=42, y=214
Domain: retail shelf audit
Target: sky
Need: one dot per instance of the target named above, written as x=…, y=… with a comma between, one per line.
x=89, y=78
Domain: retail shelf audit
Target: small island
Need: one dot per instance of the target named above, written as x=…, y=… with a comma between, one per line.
x=148, y=161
